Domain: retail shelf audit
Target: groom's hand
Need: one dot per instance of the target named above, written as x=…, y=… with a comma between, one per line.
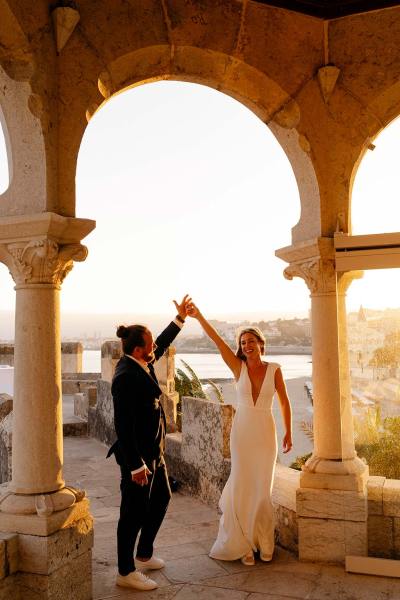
x=141, y=477
x=182, y=308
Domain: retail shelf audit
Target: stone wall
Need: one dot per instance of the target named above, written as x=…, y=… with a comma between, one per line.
x=74, y=383
x=101, y=416
x=7, y=354
x=110, y=354
x=9, y=566
x=71, y=357
x=101, y=412
x=6, y=405
x=59, y=564
x=383, y=517
x=199, y=457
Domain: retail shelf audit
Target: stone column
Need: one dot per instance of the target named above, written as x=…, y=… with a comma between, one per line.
x=39, y=252
x=331, y=501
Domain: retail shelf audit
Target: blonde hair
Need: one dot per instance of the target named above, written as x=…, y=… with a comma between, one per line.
x=257, y=333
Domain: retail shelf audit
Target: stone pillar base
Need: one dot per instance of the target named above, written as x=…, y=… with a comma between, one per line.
x=348, y=475
x=44, y=525
x=332, y=524
x=54, y=567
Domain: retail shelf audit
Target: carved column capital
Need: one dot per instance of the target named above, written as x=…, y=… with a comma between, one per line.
x=318, y=273
x=41, y=261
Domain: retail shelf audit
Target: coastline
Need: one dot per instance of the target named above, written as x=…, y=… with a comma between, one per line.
x=272, y=350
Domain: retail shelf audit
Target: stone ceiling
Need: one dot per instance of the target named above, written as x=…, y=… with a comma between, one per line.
x=330, y=9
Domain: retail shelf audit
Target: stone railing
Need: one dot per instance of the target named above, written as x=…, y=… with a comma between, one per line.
x=199, y=457
x=7, y=354
x=71, y=356
x=6, y=406
x=383, y=517
x=101, y=412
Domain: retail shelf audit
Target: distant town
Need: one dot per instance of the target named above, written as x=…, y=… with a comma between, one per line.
x=369, y=333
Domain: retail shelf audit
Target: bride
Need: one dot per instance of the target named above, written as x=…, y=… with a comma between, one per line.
x=247, y=521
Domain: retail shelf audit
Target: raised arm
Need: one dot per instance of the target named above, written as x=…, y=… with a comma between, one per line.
x=228, y=356
x=286, y=409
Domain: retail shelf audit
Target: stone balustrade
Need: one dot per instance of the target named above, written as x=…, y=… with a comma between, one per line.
x=7, y=354
x=71, y=356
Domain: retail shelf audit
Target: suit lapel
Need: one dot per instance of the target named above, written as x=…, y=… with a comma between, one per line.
x=149, y=379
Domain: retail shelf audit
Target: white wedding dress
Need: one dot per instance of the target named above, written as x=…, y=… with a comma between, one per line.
x=247, y=521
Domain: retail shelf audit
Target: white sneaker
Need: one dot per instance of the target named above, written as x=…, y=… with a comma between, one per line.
x=136, y=580
x=152, y=563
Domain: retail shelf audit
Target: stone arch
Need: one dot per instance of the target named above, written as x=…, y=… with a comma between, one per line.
x=26, y=150
x=229, y=75
x=20, y=111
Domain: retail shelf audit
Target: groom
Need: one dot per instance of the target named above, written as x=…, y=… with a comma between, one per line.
x=140, y=426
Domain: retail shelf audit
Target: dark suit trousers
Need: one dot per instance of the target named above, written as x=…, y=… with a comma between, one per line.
x=142, y=509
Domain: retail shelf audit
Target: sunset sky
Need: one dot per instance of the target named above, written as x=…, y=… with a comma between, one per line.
x=196, y=184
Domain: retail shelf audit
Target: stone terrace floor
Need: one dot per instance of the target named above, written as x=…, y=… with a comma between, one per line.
x=184, y=540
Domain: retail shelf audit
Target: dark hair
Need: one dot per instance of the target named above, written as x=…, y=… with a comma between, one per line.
x=257, y=333
x=131, y=336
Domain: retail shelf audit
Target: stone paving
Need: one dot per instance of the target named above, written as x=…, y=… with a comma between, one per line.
x=184, y=540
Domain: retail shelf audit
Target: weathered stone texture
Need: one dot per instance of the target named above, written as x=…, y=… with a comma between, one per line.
x=111, y=352
x=396, y=538
x=331, y=504
x=380, y=536
x=286, y=483
x=203, y=442
x=9, y=589
x=72, y=580
x=375, y=495
x=286, y=526
x=7, y=354
x=391, y=498
x=73, y=383
x=44, y=555
x=9, y=558
x=331, y=540
x=6, y=447
x=6, y=405
x=101, y=416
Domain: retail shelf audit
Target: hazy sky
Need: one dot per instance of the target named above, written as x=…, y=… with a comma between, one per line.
x=197, y=185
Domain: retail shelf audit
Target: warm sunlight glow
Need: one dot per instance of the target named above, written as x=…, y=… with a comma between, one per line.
x=191, y=192
x=375, y=209
x=376, y=191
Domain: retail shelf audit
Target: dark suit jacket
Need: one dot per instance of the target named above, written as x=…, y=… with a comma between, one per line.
x=139, y=418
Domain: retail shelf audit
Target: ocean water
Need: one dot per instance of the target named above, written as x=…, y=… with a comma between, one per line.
x=211, y=366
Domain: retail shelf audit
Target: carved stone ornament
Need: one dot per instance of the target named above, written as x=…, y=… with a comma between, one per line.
x=319, y=274
x=41, y=261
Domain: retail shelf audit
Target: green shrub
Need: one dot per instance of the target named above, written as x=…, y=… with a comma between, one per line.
x=377, y=441
x=300, y=461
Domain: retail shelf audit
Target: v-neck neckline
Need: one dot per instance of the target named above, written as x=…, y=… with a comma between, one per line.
x=261, y=386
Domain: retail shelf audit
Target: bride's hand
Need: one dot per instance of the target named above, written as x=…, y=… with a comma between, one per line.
x=287, y=443
x=192, y=310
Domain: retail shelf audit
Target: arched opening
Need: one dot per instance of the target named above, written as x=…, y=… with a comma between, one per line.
x=6, y=282
x=374, y=312
x=374, y=202
x=4, y=162
x=191, y=193
x=192, y=190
